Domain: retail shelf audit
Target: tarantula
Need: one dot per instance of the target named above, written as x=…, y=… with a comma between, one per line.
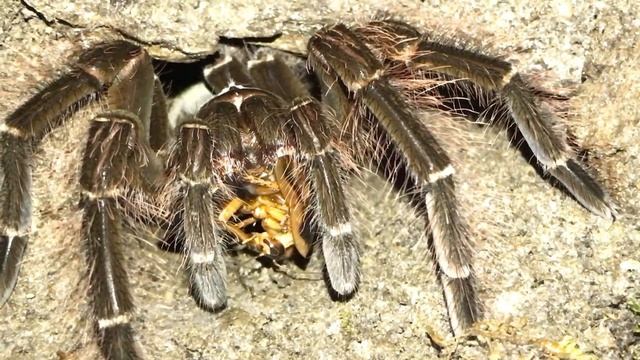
x=260, y=155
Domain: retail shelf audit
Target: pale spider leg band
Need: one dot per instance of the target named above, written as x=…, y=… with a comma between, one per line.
x=341, y=229
x=442, y=174
x=14, y=233
x=15, y=132
x=189, y=182
x=338, y=50
x=195, y=125
x=539, y=126
x=121, y=319
x=108, y=193
x=192, y=161
x=202, y=257
x=301, y=104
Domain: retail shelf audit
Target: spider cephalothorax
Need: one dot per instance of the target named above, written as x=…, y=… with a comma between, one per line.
x=261, y=156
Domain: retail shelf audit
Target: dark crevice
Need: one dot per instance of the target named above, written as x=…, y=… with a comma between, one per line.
x=249, y=41
x=38, y=14
x=177, y=77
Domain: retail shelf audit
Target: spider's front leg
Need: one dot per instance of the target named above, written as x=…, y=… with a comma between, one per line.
x=27, y=125
x=339, y=54
x=117, y=159
x=339, y=247
x=312, y=131
x=196, y=194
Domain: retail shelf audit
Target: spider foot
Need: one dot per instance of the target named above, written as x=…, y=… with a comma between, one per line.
x=342, y=259
x=463, y=305
x=584, y=188
x=117, y=342
x=11, y=252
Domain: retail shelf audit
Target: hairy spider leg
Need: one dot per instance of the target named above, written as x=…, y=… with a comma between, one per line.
x=313, y=137
x=15, y=211
x=160, y=134
x=208, y=151
x=196, y=200
x=342, y=55
x=392, y=165
x=31, y=121
x=539, y=126
x=117, y=158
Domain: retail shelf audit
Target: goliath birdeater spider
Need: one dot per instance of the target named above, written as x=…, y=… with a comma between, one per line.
x=262, y=155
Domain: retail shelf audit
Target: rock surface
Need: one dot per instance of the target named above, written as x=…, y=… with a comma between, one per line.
x=555, y=279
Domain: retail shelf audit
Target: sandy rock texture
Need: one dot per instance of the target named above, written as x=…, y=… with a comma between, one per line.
x=556, y=281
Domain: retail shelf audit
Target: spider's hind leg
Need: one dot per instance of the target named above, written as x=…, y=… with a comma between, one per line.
x=460, y=293
x=540, y=127
x=339, y=53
